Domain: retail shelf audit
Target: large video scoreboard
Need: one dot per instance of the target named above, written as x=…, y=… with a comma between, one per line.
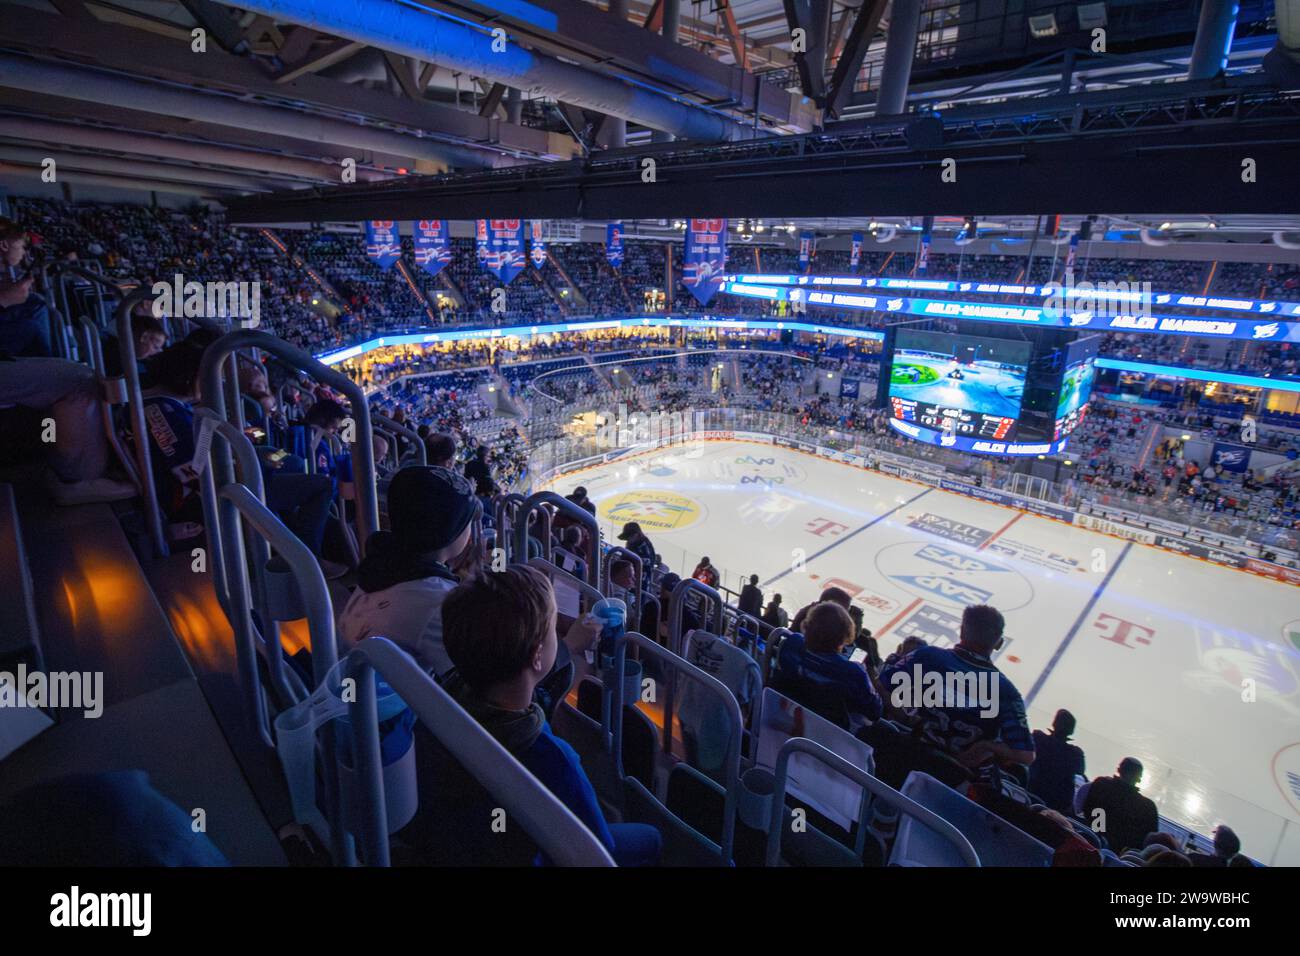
x=988, y=390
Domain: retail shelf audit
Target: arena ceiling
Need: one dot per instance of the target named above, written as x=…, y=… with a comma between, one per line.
x=284, y=93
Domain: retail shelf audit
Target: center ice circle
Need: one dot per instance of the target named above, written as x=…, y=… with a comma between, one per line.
x=941, y=572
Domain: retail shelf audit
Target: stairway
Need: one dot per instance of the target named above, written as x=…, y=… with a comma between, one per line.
x=535, y=274
x=98, y=613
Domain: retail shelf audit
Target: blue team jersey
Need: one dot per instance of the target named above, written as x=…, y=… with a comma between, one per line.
x=170, y=422
x=954, y=728
x=327, y=463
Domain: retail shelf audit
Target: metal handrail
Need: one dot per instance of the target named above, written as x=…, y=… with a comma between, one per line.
x=519, y=525
x=363, y=449
x=550, y=567
x=876, y=787
x=285, y=680
x=384, y=423
x=506, y=507
x=560, y=834
x=135, y=409
x=676, y=609
x=612, y=716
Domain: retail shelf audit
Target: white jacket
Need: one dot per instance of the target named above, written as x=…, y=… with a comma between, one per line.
x=408, y=614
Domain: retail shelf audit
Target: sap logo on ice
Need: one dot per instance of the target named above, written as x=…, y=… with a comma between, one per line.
x=951, y=559
x=1266, y=331
x=75, y=909
x=948, y=588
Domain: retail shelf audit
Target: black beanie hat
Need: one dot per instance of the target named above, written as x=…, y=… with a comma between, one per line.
x=428, y=507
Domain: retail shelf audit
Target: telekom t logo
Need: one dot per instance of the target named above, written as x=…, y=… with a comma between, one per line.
x=1118, y=630
x=824, y=528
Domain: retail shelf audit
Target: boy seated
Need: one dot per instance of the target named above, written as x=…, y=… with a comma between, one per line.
x=499, y=631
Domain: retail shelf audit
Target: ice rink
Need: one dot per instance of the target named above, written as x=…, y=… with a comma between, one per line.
x=1149, y=650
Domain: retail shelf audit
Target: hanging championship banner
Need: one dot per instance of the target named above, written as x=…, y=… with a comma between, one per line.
x=432, y=245
x=536, y=245
x=1069, y=256
x=481, y=241
x=383, y=243
x=855, y=250
x=614, y=244
x=805, y=248
x=705, y=260
x=505, y=248
x=924, y=258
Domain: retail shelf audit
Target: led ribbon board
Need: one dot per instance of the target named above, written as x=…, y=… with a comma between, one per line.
x=976, y=446
x=1096, y=292
x=1218, y=328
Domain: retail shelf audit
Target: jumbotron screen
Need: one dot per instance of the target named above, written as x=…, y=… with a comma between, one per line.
x=1076, y=385
x=974, y=383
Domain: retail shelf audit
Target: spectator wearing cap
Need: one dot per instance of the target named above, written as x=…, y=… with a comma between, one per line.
x=639, y=544
x=24, y=316
x=405, y=576
x=579, y=498
x=1056, y=763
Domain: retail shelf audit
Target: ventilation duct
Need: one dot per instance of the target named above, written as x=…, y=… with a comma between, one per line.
x=133, y=167
x=459, y=47
x=92, y=137
x=110, y=89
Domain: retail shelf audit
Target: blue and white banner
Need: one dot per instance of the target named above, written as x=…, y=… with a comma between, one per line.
x=1219, y=328
x=614, y=244
x=855, y=250
x=1096, y=293
x=1229, y=457
x=705, y=260
x=849, y=388
x=923, y=259
x=383, y=243
x=806, y=241
x=432, y=245
x=1069, y=256
x=505, y=248
x=481, y=242
x=536, y=245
